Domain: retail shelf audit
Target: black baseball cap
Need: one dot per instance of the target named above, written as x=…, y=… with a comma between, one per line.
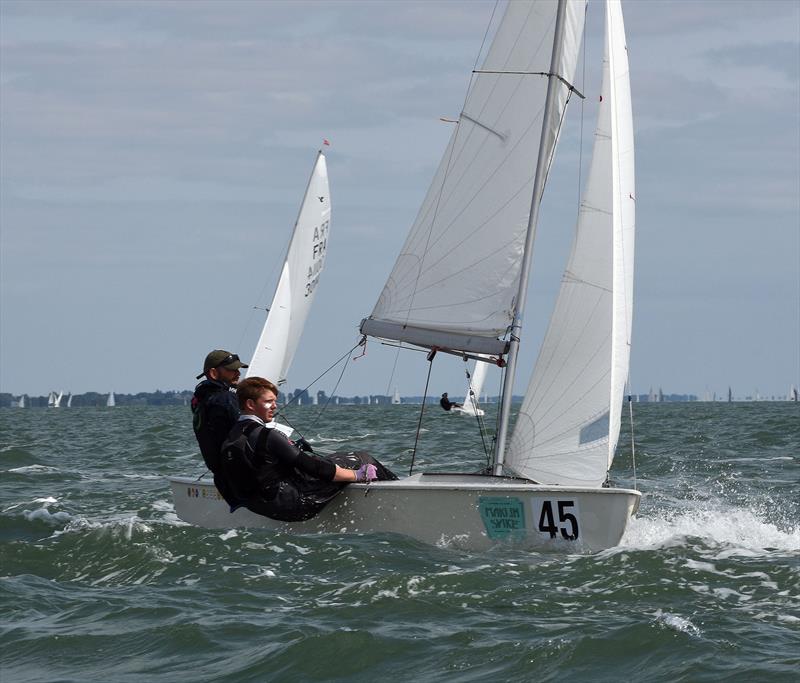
x=220, y=358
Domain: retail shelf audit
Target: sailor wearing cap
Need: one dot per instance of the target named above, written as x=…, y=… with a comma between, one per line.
x=215, y=408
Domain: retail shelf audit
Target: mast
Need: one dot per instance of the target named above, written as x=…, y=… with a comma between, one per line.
x=542, y=167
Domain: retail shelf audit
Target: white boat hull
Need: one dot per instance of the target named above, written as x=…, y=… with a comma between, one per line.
x=472, y=412
x=472, y=512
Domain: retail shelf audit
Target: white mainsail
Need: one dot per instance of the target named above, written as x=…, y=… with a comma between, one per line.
x=294, y=294
x=111, y=401
x=568, y=425
x=454, y=283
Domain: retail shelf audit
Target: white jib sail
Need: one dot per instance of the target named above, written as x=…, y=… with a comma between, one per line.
x=474, y=388
x=305, y=259
x=568, y=424
x=455, y=280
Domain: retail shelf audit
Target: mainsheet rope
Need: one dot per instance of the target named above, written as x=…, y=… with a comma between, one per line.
x=431, y=356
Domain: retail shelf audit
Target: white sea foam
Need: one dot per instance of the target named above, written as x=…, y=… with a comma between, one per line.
x=34, y=469
x=740, y=529
x=117, y=526
x=162, y=505
x=232, y=533
x=45, y=501
x=676, y=623
x=44, y=515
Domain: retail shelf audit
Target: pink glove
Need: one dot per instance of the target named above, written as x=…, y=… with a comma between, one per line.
x=367, y=473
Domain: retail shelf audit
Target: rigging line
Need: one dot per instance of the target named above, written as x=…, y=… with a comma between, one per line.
x=431, y=356
x=485, y=34
x=633, y=440
x=313, y=382
x=330, y=398
x=394, y=367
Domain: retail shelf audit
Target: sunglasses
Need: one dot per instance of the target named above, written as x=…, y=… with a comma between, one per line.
x=228, y=360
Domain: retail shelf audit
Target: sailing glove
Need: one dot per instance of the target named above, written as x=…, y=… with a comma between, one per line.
x=367, y=473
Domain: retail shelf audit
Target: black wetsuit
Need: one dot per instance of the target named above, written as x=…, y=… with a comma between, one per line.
x=274, y=478
x=446, y=403
x=215, y=410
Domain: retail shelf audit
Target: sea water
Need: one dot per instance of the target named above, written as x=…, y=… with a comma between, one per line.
x=102, y=582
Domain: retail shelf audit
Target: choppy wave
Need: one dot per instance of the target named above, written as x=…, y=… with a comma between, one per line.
x=103, y=581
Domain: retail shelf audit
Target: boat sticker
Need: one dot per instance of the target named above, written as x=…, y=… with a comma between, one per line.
x=557, y=518
x=503, y=517
x=203, y=492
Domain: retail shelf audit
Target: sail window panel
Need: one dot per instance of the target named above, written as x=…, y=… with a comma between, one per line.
x=597, y=429
x=459, y=268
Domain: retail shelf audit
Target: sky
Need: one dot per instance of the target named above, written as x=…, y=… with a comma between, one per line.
x=153, y=156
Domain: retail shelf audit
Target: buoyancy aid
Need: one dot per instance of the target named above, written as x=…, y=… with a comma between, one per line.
x=240, y=462
x=214, y=412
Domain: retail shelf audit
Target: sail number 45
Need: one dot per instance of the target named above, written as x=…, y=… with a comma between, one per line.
x=557, y=517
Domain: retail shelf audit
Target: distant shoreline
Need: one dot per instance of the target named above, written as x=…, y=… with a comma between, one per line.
x=301, y=397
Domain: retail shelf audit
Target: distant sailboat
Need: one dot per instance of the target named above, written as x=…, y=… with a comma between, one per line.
x=291, y=303
x=474, y=387
x=396, y=398
x=21, y=402
x=792, y=395
x=54, y=399
x=69, y=400
x=111, y=401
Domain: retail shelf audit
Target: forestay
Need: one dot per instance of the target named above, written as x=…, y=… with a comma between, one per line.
x=294, y=294
x=569, y=422
x=455, y=280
